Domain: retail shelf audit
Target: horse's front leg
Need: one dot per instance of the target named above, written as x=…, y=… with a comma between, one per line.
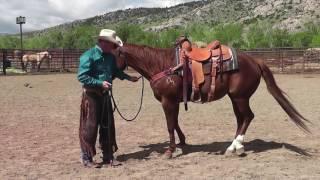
x=38, y=66
x=25, y=64
x=171, y=110
x=181, y=136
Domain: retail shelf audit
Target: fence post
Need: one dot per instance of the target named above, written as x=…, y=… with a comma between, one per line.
x=304, y=62
x=281, y=59
x=318, y=60
x=4, y=57
x=63, y=60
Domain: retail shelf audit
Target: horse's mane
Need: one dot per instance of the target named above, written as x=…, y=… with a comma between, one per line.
x=43, y=52
x=156, y=57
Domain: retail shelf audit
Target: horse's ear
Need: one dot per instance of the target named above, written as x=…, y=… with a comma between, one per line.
x=121, y=50
x=181, y=40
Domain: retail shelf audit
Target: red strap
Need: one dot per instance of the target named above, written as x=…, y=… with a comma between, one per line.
x=160, y=75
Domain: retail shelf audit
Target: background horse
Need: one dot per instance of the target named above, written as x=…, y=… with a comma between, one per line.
x=238, y=85
x=36, y=58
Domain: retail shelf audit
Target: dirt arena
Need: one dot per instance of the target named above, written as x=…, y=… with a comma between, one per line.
x=39, y=134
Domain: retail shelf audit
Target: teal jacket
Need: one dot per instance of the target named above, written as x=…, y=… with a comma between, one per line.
x=96, y=67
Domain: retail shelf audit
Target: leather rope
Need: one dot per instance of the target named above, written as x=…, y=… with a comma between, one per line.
x=140, y=106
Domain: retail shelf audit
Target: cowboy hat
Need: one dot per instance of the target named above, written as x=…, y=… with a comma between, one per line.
x=110, y=35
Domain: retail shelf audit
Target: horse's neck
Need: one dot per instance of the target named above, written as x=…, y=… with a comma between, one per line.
x=153, y=62
x=42, y=55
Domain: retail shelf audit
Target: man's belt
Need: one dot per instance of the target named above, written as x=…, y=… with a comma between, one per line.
x=96, y=90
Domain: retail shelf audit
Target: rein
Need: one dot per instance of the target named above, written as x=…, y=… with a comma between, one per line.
x=140, y=106
x=116, y=108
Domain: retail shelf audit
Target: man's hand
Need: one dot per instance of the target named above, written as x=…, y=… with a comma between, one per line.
x=134, y=79
x=106, y=85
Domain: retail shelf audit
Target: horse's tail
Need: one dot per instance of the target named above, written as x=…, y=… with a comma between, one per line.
x=278, y=94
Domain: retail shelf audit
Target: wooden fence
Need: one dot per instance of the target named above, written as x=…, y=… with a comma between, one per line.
x=280, y=60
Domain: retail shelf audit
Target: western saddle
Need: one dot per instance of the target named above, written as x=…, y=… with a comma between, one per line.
x=194, y=59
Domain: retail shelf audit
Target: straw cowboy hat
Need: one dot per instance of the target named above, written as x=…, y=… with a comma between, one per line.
x=111, y=36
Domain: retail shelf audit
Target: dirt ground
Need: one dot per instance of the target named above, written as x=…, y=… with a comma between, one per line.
x=39, y=134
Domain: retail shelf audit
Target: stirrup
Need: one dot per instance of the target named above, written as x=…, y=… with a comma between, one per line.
x=210, y=97
x=195, y=95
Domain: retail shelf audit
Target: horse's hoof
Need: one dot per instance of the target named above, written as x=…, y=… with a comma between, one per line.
x=229, y=152
x=168, y=155
x=240, y=151
x=182, y=144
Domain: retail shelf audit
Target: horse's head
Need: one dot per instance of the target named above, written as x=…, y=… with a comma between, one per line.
x=121, y=57
x=145, y=60
x=47, y=55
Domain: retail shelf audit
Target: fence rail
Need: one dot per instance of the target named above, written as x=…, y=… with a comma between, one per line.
x=290, y=60
x=280, y=60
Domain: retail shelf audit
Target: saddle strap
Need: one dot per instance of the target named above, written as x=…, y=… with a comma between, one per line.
x=160, y=75
x=185, y=83
x=213, y=79
x=221, y=64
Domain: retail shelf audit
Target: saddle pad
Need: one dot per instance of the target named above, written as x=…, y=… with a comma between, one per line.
x=231, y=64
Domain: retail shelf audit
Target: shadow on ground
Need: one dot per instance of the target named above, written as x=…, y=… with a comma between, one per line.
x=217, y=148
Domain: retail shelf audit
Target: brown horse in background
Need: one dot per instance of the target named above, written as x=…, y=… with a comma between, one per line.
x=238, y=85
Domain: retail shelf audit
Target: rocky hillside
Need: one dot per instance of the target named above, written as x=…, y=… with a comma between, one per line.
x=284, y=14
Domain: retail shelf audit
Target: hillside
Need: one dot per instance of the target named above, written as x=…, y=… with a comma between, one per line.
x=242, y=24
x=284, y=14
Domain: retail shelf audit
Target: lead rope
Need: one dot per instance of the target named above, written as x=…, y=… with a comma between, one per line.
x=140, y=106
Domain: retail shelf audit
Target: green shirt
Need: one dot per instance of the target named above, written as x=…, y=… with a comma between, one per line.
x=96, y=67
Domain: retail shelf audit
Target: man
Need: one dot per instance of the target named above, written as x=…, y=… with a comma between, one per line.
x=96, y=71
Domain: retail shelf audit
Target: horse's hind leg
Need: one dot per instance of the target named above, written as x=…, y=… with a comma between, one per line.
x=244, y=116
x=238, y=116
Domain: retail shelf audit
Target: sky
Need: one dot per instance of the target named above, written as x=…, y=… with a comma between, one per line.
x=41, y=14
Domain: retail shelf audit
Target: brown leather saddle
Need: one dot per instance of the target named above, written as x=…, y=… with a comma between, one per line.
x=204, y=64
x=214, y=49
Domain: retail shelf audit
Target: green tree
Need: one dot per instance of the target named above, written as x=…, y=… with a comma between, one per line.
x=230, y=34
x=280, y=38
x=257, y=36
x=301, y=39
x=9, y=42
x=315, y=41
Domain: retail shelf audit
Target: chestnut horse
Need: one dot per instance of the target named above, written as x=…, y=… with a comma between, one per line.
x=238, y=85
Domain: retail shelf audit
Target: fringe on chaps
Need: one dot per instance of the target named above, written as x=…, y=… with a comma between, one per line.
x=92, y=120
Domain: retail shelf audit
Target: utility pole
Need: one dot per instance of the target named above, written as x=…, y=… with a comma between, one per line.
x=21, y=20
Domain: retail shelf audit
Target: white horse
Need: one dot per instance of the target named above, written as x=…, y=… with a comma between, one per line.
x=37, y=58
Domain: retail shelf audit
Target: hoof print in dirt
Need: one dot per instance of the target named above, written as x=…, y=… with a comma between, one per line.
x=27, y=85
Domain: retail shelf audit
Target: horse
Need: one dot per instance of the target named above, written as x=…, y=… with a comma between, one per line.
x=37, y=58
x=239, y=85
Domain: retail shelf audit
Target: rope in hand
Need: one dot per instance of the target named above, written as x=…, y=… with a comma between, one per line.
x=140, y=106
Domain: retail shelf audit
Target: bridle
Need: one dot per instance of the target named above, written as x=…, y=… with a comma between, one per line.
x=125, y=57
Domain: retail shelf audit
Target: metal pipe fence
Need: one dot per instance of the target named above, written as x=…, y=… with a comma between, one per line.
x=280, y=60
x=290, y=60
